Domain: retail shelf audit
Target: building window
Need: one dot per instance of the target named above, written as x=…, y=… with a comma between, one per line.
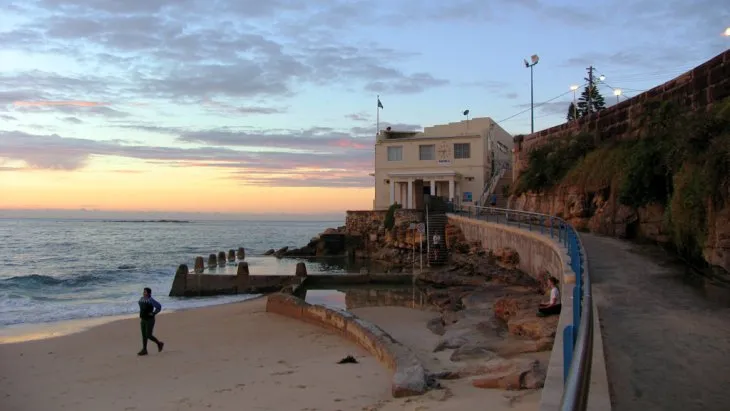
x=462, y=150
x=395, y=153
x=427, y=152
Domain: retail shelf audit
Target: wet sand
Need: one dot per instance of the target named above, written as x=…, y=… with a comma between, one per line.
x=227, y=357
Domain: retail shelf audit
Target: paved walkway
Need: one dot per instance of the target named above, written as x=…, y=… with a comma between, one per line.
x=667, y=347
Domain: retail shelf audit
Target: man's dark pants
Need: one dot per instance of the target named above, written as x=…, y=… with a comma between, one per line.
x=147, y=325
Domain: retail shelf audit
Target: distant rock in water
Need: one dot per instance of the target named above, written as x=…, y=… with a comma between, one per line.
x=148, y=221
x=125, y=267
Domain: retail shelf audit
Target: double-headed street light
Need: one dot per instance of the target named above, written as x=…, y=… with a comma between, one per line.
x=534, y=60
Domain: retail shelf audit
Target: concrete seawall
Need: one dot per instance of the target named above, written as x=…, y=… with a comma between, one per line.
x=409, y=375
x=194, y=285
x=539, y=253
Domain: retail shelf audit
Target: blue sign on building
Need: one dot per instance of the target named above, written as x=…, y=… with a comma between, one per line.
x=467, y=196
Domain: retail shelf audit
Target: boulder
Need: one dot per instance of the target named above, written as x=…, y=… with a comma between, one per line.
x=519, y=378
x=270, y=251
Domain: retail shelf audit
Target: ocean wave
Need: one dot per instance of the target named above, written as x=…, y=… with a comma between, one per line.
x=38, y=280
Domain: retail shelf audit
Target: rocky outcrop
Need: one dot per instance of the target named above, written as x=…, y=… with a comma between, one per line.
x=600, y=212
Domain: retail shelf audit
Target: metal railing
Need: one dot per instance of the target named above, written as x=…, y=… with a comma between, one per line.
x=577, y=336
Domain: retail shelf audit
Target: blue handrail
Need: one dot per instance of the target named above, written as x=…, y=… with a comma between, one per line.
x=577, y=336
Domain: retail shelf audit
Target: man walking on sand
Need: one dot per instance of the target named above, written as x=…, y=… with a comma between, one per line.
x=148, y=309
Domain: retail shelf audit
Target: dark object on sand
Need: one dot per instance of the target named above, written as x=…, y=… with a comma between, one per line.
x=347, y=360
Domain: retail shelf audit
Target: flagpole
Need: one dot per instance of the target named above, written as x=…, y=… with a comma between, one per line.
x=377, y=124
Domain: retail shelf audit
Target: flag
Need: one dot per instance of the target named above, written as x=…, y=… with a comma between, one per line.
x=466, y=112
x=380, y=105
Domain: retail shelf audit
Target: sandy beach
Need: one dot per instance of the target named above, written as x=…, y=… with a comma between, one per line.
x=229, y=357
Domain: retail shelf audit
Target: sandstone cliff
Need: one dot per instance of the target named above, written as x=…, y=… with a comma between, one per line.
x=671, y=184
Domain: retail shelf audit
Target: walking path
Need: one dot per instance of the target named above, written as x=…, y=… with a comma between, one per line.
x=667, y=347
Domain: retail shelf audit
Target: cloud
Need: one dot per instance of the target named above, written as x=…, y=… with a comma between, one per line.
x=216, y=57
x=328, y=161
x=58, y=103
x=76, y=110
x=358, y=117
x=7, y=117
x=231, y=109
x=72, y=120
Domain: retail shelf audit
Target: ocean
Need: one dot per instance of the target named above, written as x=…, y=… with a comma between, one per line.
x=54, y=269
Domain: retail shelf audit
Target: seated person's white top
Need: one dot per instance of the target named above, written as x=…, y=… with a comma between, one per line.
x=554, y=296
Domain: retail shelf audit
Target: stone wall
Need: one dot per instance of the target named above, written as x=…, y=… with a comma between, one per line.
x=409, y=376
x=195, y=285
x=698, y=89
x=537, y=253
x=371, y=221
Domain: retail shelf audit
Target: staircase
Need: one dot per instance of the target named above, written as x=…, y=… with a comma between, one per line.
x=497, y=185
x=436, y=227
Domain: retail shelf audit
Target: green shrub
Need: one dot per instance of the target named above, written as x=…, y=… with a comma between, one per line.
x=389, y=220
x=548, y=164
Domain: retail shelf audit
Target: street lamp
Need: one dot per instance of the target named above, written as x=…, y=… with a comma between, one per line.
x=617, y=93
x=575, y=104
x=534, y=60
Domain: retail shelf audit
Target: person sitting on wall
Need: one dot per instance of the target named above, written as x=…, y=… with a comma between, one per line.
x=553, y=306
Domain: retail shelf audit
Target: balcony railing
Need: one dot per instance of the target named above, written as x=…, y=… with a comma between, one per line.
x=577, y=336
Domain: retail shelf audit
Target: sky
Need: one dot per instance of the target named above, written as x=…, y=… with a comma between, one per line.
x=254, y=107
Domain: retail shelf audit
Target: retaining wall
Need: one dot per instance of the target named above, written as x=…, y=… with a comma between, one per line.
x=537, y=254
x=409, y=376
x=697, y=89
x=370, y=221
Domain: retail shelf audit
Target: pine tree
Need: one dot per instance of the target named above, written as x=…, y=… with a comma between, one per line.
x=572, y=112
x=597, y=102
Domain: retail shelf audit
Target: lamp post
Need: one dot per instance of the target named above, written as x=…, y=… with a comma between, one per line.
x=617, y=93
x=574, y=88
x=534, y=60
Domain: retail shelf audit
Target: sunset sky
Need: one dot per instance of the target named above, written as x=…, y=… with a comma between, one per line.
x=251, y=106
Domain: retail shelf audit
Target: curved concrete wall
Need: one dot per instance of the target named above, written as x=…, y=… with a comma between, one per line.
x=538, y=252
x=409, y=377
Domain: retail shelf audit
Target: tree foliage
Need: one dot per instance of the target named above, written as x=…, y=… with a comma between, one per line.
x=597, y=103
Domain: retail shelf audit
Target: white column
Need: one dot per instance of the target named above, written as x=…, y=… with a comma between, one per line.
x=451, y=188
x=409, y=194
x=392, y=192
x=433, y=187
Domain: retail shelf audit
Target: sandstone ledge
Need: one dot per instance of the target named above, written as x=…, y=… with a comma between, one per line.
x=409, y=375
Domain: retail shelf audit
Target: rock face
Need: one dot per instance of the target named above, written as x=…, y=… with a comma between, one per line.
x=600, y=212
x=331, y=242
